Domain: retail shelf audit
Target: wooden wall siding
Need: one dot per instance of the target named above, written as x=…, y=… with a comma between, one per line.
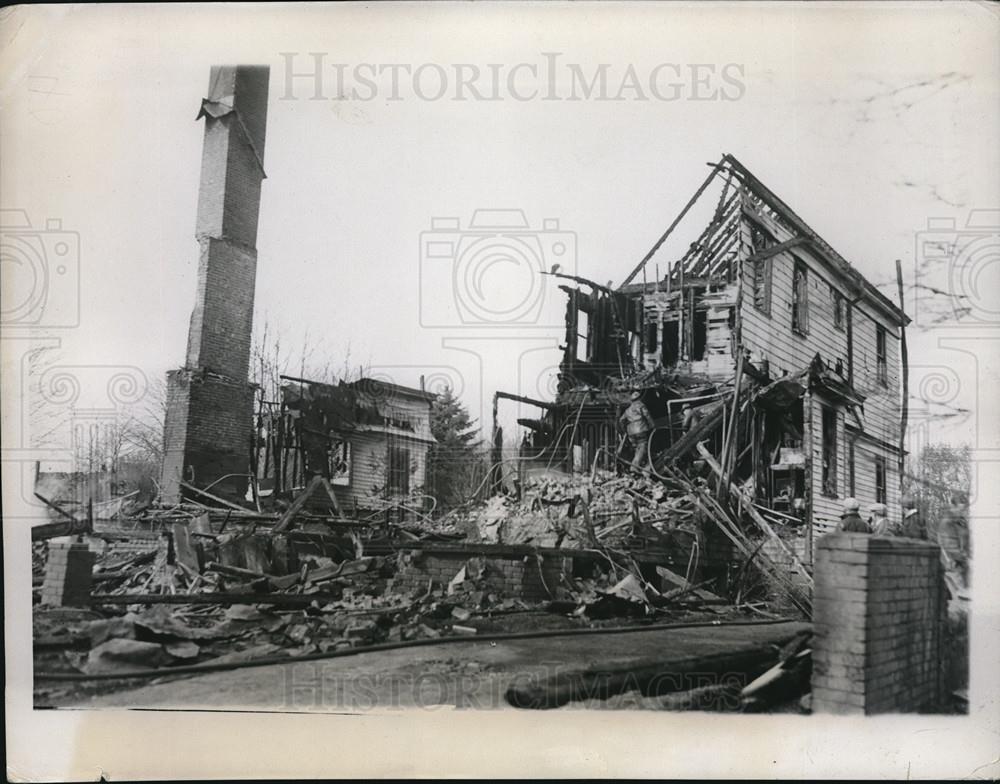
x=864, y=477
x=771, y=337
x=826, y=509
x=393, y=404
x=369, y=466
x=881, y=415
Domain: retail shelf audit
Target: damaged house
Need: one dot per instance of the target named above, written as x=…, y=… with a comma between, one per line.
x=370, y=439
x=759, y=343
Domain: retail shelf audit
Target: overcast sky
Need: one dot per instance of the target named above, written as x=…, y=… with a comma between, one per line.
x=869, y=120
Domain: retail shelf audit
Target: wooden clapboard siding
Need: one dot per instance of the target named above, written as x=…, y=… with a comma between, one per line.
x=865, y=452
x=826, y=509
x=770, y=336
x=370, y=464
x=370, y=446
x=881, y=414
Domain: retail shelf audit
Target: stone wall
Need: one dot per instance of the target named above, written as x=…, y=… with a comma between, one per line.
x=878, y=612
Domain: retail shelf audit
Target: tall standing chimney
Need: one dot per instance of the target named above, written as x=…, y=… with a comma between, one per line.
x=207, y=433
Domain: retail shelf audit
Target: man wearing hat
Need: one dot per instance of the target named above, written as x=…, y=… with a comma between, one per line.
x=850, y=520
x=879, y=521
x=638, y=425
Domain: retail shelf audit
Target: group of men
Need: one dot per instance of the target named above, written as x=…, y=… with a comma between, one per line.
x=951, y=533
x=877, y=522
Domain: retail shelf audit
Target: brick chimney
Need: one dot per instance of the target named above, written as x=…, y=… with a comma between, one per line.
x=207, y=433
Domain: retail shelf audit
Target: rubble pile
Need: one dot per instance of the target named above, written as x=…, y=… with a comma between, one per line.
x=553, y=511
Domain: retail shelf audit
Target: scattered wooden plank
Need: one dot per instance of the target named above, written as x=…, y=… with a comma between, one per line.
x=296, y=506
x=754, y=514
x=215, y=498
x=289, y=599
x=685, y=586
x=184, y=550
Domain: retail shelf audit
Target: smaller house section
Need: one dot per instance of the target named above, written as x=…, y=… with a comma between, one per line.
x=369, y=438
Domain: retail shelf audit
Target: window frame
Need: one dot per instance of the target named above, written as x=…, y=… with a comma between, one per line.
x=398, y=468
x=881, y=480
x=800, y=297
x=344, y=479
x=839, y=303
x=882, y=354
x=583, y=356
x=762, y=270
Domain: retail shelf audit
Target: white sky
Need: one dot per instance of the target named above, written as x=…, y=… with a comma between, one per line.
x=868, y=120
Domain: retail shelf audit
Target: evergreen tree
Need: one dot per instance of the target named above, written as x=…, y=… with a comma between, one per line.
x=456, y=460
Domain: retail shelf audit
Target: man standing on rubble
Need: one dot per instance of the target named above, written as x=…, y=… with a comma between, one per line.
x=638, y=425
x=850, y=520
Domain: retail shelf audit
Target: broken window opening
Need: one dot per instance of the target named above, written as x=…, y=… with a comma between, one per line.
x=880, y=356
x=800, y=298
x=880, y=480
x=829, y=452
x=699, y=335
x=339, y=463
x=761, y=270
x=399, y=470
x=671, y=338
x=651, y=337
x=582, y=336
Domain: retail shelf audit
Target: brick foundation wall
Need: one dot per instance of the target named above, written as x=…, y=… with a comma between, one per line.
x=511, y=574
x=877, y=615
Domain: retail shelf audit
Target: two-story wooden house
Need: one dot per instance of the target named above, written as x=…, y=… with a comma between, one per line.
x=759, y=305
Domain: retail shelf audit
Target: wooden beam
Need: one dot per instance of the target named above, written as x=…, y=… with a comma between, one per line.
x=754, y=514
x=716, y=167
x=289, y=599
x=215, y=498
x=296, y=505
x=520, y=399
x=774, y=250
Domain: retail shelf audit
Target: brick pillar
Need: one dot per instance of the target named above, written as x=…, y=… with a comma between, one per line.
x=68, y=574
x=877, y=614
x=209, y=401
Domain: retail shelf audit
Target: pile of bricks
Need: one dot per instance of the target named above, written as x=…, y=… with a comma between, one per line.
x=877, y=614
x=68, y=572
